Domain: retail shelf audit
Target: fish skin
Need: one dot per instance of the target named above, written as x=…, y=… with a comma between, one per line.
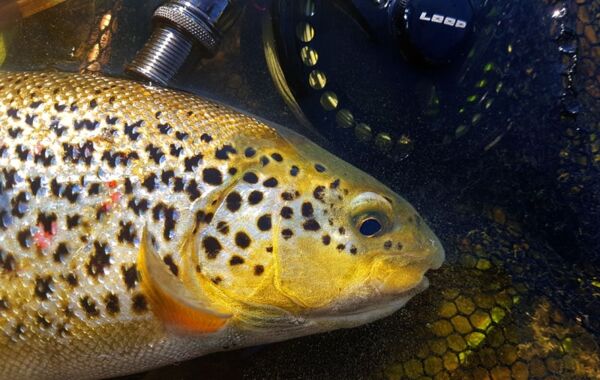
x=88, y=164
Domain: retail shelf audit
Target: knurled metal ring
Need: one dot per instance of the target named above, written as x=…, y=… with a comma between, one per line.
x=188, y=23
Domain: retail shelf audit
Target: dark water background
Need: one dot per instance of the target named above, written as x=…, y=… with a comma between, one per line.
x=503, y=161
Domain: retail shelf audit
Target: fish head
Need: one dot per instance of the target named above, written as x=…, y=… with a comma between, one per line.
x=327, y=243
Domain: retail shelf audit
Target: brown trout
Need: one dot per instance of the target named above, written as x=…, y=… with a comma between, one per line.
x=141, y=226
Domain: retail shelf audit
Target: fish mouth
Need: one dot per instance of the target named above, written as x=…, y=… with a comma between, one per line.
x=366, y=309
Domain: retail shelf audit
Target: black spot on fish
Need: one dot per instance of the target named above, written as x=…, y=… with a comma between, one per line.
x=89, y=306
x=44, y=321
x=319, y=193
x=387, y=244
x=168, y=259
x=61, y=252
x=340, y=247
x=130, y=276
x=287, y=233
x=112, y=304
x=19, y=204
x=307, y=209
x=178, y=185
x=170, y=223
x=13, y=113
x=73, y=221
x=111, y=120
x=128, y=186
x=93, y=103
x=10, y=178
x=127, y=233
x=264, y=160
x=192, y=163
x=232, y=171
x=24, y=238
x=320, y=168
x=224, y=152
x=311, y=225
x=72, y=192
x=132, y=130
x=250, y=178
x=233, y=201
x=193, y=190
x=71, y=279
x=202, y=217
x=99, y=260
x=181, y=136
x=212, y=176
x=88, y=124
x=236, y=260
x=7, y=261
x=58, y=129
x=5, y=219
x=255, y=197
x=43, y=287
x=326, y=239
x=249, y=152
x=15, y=132
x=258, y=270
x=342, y=230
x=166, y=176
x=211, y=246
x=56, y=188
x=29, y=119
x=165, y=129
x=206, y=138
x=335, y=184
x=94, y=189
x=286, y=212
x=217, y=280
x=277, y=157
x=242, y=240
x=151, y=182
x=158, y=211
x=353, y=250
x=46, y=221
x=155, y=154
x=271, y=182
x=45, y=157
x=223, y=227
x=22, y=152
x=139, y=206
x=60, y=107
x=264, y=222
x=35, y=104
x=287, y=196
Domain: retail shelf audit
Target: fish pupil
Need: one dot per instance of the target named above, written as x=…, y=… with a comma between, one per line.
x=370, y=227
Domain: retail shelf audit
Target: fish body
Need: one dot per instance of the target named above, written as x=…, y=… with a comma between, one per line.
x=141, y=226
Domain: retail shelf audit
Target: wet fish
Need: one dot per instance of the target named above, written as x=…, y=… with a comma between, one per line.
x=141, y=226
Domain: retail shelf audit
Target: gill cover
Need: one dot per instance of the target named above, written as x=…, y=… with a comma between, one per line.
x=170, y=300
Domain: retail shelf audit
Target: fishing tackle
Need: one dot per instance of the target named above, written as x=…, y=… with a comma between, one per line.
x=179, y=26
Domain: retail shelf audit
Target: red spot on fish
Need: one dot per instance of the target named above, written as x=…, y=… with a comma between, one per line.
x=43, y=238
x=112, y=184
x=115, y=197
x=106, y=206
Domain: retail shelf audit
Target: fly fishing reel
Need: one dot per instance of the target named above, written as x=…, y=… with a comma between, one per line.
x=402, y=77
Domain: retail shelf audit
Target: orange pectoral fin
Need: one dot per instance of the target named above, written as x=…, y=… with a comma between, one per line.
x=170, y=300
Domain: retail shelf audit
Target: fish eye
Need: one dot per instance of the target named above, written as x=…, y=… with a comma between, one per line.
x=370, y=227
